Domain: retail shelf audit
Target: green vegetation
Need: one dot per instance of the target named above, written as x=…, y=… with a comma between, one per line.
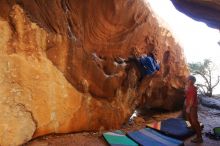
x=205, y=71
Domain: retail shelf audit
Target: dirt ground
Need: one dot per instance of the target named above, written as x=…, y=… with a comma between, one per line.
x=209, y=117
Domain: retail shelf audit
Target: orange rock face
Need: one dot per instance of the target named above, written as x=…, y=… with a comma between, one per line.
x=63, y=68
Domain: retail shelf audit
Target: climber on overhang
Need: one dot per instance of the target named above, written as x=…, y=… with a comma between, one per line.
x=149, y=64
x=146, y=64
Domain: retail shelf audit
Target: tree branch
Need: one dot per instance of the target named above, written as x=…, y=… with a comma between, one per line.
x=204, y=77
x=210, y=76
x=202, y=92
x=218, y=80
x=201, y=87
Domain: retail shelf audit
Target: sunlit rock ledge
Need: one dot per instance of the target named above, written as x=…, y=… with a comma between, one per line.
x=63, y=69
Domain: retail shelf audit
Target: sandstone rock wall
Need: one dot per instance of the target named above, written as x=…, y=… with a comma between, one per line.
x=63, y=68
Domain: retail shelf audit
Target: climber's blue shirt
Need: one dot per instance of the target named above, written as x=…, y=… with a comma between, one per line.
x=149, y=64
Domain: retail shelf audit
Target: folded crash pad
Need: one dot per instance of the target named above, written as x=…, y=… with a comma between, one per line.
x=118, y=138
x=174, y=127
x=150, y=137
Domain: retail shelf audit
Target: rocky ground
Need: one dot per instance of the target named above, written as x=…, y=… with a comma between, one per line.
x=210, y=117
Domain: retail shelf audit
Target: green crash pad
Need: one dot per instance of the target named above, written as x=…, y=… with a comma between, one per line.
x=118, y=138
x=217, y=131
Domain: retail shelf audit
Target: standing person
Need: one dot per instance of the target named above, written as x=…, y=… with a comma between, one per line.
x=191, y=108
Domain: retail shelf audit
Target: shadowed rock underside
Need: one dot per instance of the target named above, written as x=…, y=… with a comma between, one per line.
x=207, y=11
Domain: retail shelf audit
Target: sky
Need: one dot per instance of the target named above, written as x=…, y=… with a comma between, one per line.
x=197, y=39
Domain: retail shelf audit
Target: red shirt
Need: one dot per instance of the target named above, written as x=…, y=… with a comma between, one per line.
x=191, y=96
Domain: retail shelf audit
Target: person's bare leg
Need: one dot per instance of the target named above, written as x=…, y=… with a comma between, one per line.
x=188, y=118
x=196, y=126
